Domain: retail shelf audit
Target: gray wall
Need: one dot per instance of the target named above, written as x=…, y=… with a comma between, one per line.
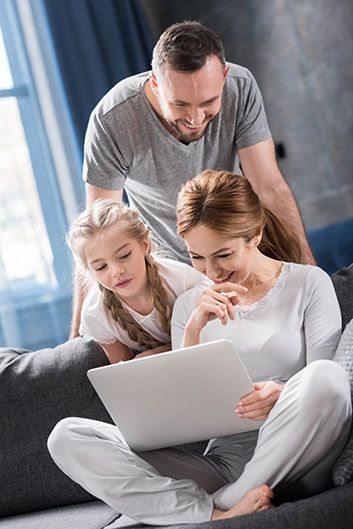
x=301, y=52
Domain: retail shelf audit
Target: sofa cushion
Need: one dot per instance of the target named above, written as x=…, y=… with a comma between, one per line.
x=329, y=510
x=92, y=515
x=343, y=283
x=343, y=470
x=36, y=391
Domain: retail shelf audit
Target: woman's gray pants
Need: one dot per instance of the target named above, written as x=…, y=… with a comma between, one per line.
x=172, y=486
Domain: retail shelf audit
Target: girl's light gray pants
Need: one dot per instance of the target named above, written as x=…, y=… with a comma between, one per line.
x=171, y=486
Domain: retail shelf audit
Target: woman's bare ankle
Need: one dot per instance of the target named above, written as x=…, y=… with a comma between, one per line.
x=217, y=515
x=258, y=499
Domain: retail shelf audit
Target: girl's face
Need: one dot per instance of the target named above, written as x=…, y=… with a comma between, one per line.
x=117, y=261
x=219, y=257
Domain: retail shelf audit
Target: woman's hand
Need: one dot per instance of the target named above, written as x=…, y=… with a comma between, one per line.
x=258, y=404
x=216, y=301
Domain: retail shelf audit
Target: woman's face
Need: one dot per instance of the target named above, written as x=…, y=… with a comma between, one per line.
x=219, y=257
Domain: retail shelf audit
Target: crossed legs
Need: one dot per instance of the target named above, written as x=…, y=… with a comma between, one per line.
x=170, y=486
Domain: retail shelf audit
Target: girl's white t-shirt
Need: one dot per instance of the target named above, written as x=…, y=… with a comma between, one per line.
x=98, y=324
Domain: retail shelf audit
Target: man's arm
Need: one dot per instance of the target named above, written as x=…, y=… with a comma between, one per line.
x=92, y=193
x=260, y=167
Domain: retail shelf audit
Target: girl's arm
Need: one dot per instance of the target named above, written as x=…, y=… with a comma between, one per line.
x=155, y=351
x=116, y=352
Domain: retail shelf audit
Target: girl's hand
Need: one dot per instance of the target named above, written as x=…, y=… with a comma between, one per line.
x=258, y=404
x=216, y=301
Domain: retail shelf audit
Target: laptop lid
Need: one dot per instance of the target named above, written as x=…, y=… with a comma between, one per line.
x=176, y=397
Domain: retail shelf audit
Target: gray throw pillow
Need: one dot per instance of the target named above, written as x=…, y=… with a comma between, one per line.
x=343, y=469
x=343, y=282
x=37, y=389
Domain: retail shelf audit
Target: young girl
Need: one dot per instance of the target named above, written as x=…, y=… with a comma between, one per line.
x=129, y=304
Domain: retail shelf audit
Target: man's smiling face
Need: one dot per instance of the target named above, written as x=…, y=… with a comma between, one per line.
x=188, y=101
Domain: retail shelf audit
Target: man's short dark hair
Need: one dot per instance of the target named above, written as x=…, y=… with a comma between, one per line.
x=185, y=47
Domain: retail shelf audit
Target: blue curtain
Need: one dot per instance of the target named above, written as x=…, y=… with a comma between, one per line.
x=98, y=43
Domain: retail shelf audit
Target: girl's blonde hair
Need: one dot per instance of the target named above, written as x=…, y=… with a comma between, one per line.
x=93, y=221
x=226, y=202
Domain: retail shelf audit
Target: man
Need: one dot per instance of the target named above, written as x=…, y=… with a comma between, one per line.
x=156, y=130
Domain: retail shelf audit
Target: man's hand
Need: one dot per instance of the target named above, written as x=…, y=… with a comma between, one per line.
x=258, y=404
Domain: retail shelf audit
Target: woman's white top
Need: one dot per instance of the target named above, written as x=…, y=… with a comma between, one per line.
x=98, y=324
x=296, y=322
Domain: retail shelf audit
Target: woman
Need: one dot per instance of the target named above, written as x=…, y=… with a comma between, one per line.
x=282, y=317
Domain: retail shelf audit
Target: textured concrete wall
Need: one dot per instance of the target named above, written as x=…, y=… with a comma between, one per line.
x=301, y=53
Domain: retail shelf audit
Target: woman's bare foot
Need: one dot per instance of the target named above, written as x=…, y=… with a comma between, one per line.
x=258, y=499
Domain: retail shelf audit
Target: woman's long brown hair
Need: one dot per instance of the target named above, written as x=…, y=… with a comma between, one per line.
x=226, y=202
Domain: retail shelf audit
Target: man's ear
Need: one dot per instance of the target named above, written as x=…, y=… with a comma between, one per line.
x=154, y=83
x=226, y=70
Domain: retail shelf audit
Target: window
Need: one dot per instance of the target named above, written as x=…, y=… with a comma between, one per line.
x=25, y=253
x=35, y=266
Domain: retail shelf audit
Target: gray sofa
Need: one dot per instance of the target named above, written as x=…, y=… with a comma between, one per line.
x=38, y=389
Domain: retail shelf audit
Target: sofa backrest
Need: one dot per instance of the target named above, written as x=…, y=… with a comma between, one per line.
x=36, y=391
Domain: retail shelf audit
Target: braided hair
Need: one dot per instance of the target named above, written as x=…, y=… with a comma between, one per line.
x=93, y=221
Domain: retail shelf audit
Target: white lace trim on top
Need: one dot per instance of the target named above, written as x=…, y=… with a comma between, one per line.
x=244, y=310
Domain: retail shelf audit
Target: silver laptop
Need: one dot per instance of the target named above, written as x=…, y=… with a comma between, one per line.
x=176, y=397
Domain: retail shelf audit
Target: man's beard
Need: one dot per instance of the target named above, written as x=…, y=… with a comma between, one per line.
x=182, y=136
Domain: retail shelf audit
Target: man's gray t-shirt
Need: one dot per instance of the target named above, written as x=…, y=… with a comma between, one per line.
x=126, y=146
